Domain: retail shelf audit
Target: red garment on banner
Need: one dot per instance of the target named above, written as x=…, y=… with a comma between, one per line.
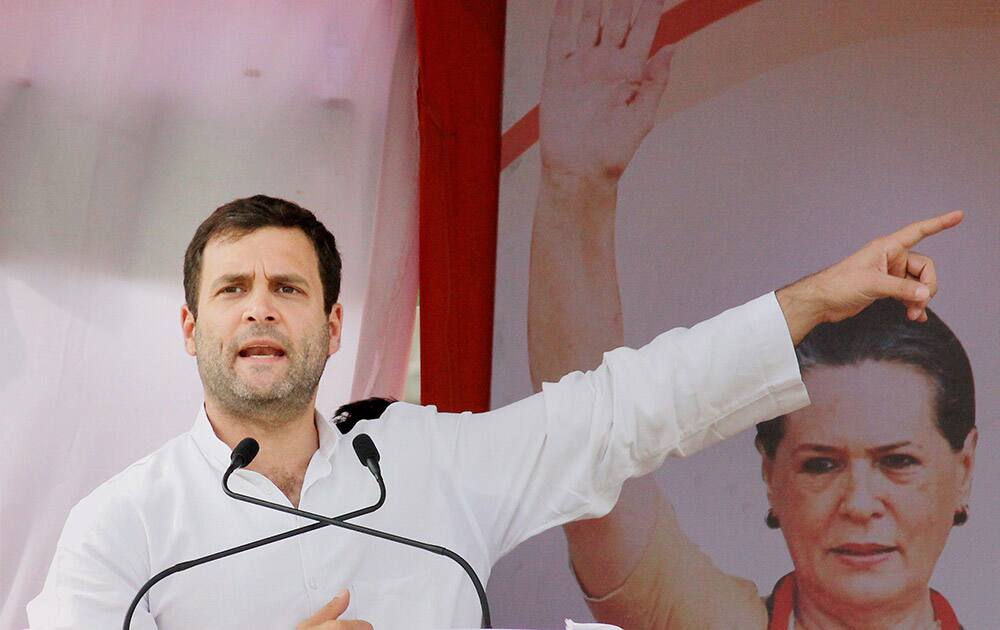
x=782, y=604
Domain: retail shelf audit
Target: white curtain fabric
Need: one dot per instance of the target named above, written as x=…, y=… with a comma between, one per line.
x=122, y=125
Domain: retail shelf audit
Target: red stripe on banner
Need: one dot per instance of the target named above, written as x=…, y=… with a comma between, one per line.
x=460, y=52
x=678, y=22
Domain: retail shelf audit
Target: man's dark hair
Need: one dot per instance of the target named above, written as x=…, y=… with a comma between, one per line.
x=242, y=216
x=882, y=332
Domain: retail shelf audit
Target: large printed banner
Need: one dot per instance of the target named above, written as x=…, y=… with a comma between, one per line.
x=761, y=142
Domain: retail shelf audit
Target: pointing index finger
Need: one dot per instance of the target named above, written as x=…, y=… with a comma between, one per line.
x=916, y=232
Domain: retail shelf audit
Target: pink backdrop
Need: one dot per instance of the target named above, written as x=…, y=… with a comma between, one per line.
x=122, y=125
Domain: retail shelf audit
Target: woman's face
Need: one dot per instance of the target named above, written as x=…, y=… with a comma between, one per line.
x=865, y=486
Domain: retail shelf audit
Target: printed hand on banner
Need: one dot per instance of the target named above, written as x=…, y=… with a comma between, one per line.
x=600, y=92
x=599, y=100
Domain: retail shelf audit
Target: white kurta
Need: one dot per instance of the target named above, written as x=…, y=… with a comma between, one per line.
x=478, y=484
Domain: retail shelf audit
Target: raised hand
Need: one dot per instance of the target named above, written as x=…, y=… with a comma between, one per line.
x=600, y=92
x=885, y=267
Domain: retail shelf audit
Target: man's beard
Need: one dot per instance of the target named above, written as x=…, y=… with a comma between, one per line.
x=271, y=405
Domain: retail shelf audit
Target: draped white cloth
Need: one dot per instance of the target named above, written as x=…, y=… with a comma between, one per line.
x=122, y=125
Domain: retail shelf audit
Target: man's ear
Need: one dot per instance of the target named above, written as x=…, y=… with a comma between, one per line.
x=336, y=323
x=187, y=328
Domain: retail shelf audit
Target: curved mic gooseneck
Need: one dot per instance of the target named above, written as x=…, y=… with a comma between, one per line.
x=242, y=457
x=368, y=455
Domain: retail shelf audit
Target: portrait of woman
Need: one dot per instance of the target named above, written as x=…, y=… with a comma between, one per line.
x=864, y=485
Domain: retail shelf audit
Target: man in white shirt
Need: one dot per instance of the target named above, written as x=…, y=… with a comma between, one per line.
x=261, y=284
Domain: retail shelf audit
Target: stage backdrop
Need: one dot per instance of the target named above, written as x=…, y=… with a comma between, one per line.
x=122, y=126
x=789, y=134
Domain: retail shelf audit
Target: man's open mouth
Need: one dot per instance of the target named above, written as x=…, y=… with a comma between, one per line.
x=260, y=350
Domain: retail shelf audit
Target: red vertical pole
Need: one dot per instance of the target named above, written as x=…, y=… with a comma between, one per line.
x=460, y=53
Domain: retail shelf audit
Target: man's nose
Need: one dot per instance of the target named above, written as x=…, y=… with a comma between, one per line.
x=260, y=307
x=862, y=501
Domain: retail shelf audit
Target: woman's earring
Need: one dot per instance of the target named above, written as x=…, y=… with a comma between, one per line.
x=961, y=516
x=772, y=520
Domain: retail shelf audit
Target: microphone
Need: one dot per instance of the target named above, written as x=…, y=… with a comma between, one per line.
x=368, y=455
x=242, y=455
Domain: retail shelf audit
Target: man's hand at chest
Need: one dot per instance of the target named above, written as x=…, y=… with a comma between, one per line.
x=327, y=618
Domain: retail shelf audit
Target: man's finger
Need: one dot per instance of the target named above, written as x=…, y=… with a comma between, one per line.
x=906, y=290
x=647, y=21
x=561, y=31
x=347, y=624
x=333, y=609
x=916, y=232
x=922, y=268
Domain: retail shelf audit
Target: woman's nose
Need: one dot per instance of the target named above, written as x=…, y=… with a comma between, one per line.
x=861, y=500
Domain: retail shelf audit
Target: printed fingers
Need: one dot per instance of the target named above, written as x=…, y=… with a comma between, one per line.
x=647, y=21
x=590, y=25
x=654, y=80
x=561, y=40
x=916, y=232
x=616, y=29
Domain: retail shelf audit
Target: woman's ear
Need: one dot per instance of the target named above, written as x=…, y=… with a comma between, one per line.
x=967, y=463
x=766, y=463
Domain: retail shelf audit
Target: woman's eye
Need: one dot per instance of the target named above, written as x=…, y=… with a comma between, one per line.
x=898, y=461
x=818, y=465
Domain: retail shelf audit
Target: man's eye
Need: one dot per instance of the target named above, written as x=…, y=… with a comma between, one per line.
x=231, y=289
x=287, y=289
x=898, y=461
x=819, y=465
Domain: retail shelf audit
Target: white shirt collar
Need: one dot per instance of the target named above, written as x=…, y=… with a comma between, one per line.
x=218, y=452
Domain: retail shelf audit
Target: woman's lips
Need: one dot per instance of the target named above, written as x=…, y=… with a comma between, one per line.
x=863, y=555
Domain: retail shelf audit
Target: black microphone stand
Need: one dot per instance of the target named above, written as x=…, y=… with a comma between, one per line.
x=325, y=520
x=183, y=566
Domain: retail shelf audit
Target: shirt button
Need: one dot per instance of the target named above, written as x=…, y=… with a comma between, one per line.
x=312, y=584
